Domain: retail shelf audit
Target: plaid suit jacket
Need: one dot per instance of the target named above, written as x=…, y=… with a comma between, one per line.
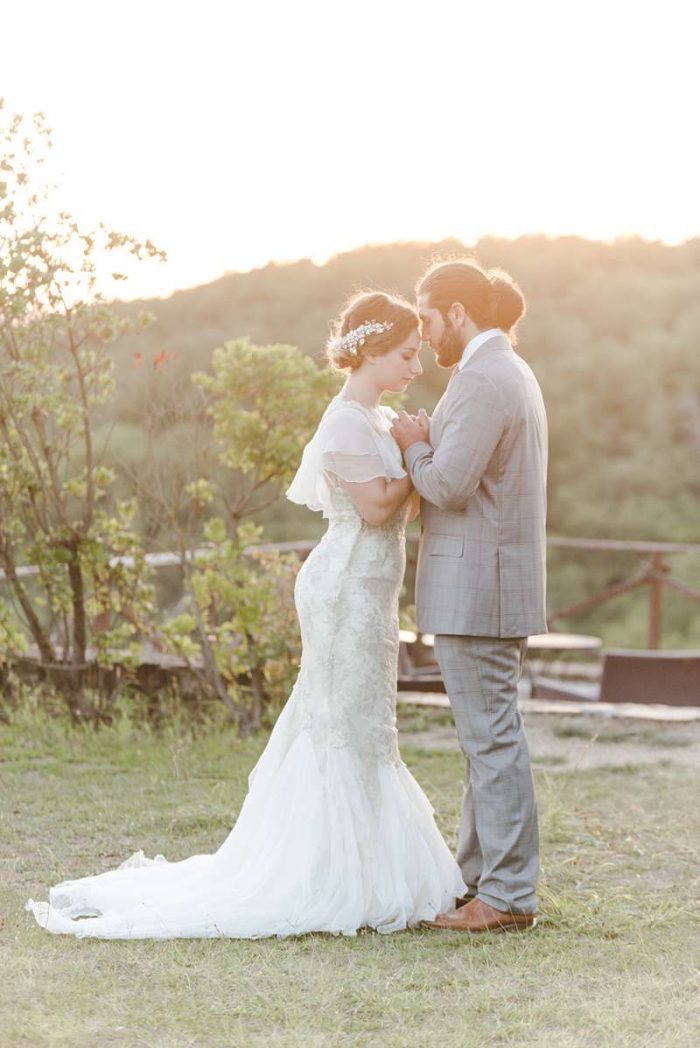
x=482, y=480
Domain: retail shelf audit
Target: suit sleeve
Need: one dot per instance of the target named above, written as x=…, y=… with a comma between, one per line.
x=449, y=475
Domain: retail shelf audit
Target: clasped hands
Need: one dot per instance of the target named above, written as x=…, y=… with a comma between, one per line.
x=409, y=429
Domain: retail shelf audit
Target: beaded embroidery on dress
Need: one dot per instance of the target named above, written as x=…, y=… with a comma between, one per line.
x=335, y=834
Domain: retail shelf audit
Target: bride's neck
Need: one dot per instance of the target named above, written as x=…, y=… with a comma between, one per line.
x=368, y=397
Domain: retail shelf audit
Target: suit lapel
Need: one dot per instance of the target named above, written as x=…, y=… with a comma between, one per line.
x=435, y=417
x=497, y=342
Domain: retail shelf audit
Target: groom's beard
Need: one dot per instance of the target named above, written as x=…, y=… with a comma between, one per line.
x=450, y=347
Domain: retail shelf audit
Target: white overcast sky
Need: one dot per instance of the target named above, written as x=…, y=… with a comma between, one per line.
x=233, y=133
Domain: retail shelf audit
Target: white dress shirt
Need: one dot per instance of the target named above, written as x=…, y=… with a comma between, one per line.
x=474, y=343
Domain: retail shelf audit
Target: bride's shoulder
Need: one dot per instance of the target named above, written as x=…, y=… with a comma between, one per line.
x=389, y=412
x=340, y=412
x=346, y=422
x=343, y=414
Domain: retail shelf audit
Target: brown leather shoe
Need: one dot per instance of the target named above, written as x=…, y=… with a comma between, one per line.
x=463, y=900
x=478, y=916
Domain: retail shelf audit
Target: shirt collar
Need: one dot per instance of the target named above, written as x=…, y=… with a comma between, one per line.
x=474, y=343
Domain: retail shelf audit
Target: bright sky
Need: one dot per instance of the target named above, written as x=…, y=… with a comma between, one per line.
x=233, y=132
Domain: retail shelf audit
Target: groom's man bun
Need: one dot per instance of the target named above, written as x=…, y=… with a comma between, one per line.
x=490, y=297
x=369, y=307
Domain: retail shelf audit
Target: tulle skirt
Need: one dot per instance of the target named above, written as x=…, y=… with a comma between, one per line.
x=323, y=843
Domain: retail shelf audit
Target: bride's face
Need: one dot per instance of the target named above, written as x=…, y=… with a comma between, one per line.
x=396, y=369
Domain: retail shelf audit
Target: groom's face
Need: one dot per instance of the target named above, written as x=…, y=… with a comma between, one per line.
x=446, y=340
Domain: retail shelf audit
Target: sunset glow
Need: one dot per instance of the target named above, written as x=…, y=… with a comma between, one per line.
x=235, y=134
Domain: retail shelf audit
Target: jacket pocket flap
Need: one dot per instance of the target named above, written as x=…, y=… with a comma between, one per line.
x=444, y=545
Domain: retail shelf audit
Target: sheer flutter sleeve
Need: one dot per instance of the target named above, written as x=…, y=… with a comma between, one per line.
x=346, y=445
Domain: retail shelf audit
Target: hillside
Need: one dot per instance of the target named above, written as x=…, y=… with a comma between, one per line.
x=611, y=332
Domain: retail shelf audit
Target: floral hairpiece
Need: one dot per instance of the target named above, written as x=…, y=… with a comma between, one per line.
x=356, y=337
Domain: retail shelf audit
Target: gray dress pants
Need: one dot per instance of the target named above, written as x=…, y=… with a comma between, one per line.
x=498, y=844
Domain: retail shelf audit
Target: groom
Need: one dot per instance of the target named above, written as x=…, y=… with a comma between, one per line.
x=480, y=467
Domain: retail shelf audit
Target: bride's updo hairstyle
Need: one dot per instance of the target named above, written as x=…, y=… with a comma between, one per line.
x=369, y=311
x=490, y=297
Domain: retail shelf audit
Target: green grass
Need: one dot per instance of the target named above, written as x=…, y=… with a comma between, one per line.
x=624, y=733
x=612, y=962
x=423, y=718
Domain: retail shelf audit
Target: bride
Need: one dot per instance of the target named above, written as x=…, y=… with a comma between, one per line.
x=334, y=834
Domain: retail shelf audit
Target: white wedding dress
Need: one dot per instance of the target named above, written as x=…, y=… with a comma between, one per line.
x=334, y=834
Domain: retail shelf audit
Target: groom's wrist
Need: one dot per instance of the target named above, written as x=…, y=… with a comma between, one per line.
x=414, y=452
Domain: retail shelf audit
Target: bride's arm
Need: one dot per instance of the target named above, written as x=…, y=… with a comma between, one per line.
x=415, y=506
x=377, y=499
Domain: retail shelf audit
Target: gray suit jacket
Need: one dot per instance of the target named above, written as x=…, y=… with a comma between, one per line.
x=482, y=480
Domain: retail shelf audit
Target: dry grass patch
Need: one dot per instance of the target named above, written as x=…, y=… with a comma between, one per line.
x=612, y=963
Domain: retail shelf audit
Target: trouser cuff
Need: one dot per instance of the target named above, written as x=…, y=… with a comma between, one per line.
x=503, y=906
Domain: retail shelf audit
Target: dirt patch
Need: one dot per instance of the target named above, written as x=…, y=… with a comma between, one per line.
x=562, y=743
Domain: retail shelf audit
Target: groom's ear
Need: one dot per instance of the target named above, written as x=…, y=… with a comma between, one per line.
x=457, y=313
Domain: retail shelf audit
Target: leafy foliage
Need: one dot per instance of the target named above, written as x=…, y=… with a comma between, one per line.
x=239, y=624
x=249, y=644
x=91, y=587
x=265, y=402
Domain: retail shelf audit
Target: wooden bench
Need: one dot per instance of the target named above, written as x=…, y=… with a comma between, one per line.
x=419, y=671
x=667, y=678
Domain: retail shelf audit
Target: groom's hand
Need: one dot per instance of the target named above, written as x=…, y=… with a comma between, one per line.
x=423, y=421
x=406, y=431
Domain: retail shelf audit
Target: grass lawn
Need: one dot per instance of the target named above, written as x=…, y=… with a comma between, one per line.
x=612, y=962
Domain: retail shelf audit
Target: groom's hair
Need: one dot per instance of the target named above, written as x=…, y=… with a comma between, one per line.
x=491, y=298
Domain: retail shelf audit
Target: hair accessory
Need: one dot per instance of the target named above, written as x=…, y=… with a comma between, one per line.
x=356, y=337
